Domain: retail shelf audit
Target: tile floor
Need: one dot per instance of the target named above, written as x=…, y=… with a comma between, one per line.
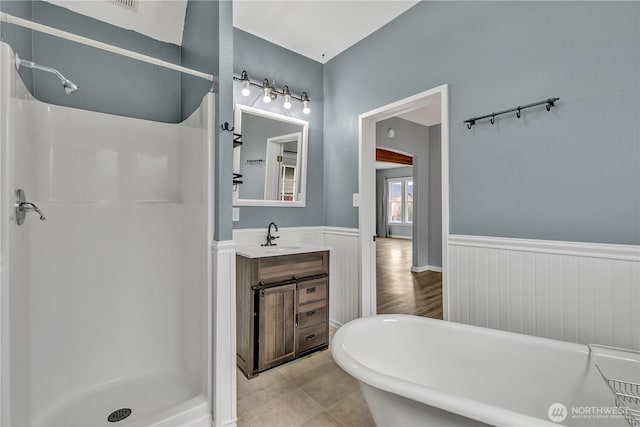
x=310, y=392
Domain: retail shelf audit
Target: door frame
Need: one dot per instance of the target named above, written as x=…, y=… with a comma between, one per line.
x=367, y=187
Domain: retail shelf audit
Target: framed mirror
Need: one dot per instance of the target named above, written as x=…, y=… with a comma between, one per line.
x=272, y=159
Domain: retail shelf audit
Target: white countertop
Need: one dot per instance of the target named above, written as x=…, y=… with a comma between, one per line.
x=255, y=251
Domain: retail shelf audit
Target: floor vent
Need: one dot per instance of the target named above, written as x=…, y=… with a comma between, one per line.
x=129, y=4
x=119, y=415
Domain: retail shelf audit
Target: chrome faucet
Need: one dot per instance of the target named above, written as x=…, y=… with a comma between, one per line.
x=271, y=238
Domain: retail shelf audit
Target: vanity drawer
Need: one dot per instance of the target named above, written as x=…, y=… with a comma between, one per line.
x=312, y=290
x=312, y=314
x=278, y=268
x=311, y=337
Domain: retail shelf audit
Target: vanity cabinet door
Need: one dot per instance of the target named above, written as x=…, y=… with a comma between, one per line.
x=277, y=326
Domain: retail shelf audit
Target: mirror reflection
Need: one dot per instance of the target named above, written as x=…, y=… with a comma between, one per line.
x=271, y=159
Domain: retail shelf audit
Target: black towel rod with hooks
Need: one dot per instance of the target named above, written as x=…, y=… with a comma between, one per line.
x=550, y=102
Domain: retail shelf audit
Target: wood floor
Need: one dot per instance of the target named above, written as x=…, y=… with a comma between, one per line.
x=398, y=289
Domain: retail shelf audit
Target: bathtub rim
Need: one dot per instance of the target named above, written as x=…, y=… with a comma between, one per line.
x=482, y=412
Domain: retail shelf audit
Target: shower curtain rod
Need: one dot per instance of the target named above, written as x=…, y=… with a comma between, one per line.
x=5, y=17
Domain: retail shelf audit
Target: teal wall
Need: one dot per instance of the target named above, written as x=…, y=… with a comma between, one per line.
x=108, y=83
x=20, y=39
x=262, y=59
x=571, y=174
x=117, y=85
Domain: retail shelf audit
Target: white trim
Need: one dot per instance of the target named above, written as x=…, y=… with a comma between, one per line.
x=257, y=236
x=341, y=231
x=334, y=324
x=395, y=236
x=366, y=189
x=423, y=268
x=5, y=17
x=582, y=249
x=223, y=381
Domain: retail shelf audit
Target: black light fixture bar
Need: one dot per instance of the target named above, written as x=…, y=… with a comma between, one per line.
x=550, y=102
x=270, y=85
x=274, y=89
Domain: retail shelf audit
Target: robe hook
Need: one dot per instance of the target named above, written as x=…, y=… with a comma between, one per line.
x=225, y=127
x=518, y=113
x=493, y=119
x=550, y=103
x=471, y=123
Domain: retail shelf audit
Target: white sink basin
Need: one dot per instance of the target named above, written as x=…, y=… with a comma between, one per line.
x=267, y=251
x=281, y=248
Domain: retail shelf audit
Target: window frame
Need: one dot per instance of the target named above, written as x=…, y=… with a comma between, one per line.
x=404, y=198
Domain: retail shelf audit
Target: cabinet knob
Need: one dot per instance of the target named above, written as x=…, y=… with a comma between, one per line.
x=310, y=337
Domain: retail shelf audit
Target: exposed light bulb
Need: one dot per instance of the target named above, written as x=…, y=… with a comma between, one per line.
x=244, y=78
x=245, y=88
x=305, y=103
x=267, y=91
x=287, y=97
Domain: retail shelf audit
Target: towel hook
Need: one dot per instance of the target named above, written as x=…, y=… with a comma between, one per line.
x=493, y=119
x=518, y=113
x=550, y=103
x=470, y=123
x=225, y=127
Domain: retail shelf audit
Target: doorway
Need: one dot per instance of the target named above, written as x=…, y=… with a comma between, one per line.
x=436, y=97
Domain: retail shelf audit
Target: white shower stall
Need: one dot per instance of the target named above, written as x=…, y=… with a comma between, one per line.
x=105, y=305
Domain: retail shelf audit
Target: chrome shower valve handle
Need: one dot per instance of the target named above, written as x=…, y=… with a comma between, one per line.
x=22, y=207
x=29, y=207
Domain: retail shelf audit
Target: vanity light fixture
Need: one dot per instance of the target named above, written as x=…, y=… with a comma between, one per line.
x=270, y=92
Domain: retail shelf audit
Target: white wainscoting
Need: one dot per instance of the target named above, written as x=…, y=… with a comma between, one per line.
x=344, y=262
x=223, y=342
x=345, y=274
x=579, y=292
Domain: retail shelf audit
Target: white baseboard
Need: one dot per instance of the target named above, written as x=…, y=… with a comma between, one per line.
x=394, y=236
x=334, y=324
x=422, y=268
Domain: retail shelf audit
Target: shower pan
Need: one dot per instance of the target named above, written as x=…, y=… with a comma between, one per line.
x=103, y=306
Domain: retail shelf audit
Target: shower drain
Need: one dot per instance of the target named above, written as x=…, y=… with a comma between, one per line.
x=119, y=415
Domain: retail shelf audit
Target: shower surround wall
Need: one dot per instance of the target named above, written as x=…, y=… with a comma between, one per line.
x=105, y=305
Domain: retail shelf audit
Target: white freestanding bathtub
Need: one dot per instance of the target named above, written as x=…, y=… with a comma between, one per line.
x=415, y=371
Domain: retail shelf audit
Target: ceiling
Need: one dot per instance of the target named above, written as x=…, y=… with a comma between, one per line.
x=314, y=28
x=389, y=165
x=318, y=29
x=160, y=19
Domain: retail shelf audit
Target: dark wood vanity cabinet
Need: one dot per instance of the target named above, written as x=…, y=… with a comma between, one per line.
x=282, y=309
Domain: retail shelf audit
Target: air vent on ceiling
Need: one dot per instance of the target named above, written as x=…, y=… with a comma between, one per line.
x=129, y=4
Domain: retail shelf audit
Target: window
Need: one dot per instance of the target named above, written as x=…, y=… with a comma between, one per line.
x=401, y=201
